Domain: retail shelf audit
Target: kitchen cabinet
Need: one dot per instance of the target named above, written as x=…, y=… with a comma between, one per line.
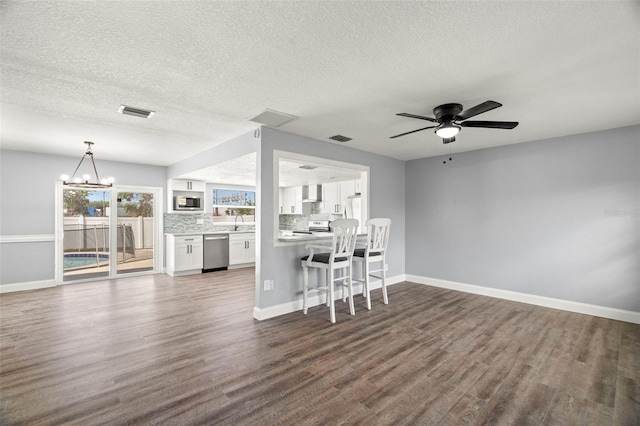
x=331, y=198
x=242, y=249
x=292, y=197
x=185, y=188
x=184, y=254
x=334, y=195
x=187, y=185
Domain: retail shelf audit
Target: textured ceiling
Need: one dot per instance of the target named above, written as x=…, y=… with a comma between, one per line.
x=343, y=67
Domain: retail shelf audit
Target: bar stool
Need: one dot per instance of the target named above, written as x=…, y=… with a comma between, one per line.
x=338, y=256
x=374, y=251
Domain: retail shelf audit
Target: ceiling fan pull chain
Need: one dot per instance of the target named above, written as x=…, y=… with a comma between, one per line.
x=450, y=157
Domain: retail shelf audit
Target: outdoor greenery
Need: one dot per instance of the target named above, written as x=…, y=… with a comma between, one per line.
x=78, y=203
x=137, y=204
x=75, y=202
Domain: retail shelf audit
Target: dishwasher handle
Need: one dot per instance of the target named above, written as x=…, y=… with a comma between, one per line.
x=216, y=238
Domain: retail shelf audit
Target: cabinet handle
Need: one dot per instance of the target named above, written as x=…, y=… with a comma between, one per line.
x=292, y=209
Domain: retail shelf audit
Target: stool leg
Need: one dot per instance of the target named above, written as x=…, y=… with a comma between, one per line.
x=342, y=284
x=305, y=284
x=384, y=283
x=332, y=307
x=352, y=309
x=367, y=287
x=329, y=283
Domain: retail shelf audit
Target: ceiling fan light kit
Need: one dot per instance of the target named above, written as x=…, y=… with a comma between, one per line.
x=450, y=119
x=447, y=131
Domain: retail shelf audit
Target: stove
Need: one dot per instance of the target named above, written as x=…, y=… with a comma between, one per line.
x=316, y=227
x=319, y=226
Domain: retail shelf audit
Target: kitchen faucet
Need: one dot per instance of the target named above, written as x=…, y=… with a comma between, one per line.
x=235, y=221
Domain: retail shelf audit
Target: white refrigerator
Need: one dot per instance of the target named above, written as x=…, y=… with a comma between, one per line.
x=354, y=209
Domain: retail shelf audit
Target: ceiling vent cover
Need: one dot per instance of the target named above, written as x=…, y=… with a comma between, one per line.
x=340, y=138
x=307, y=167
x=273, y=118
x=136, y=112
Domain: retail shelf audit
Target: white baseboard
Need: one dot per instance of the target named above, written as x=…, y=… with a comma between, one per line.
x=30, y=285
x=548, y=302
x=315, y=300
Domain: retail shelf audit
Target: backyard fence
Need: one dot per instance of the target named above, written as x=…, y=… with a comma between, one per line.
x=140, y=228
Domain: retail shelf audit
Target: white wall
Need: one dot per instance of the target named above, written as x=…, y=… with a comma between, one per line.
x=557, y=218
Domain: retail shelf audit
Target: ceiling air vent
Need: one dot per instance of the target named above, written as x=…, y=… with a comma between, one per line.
x=136, y=112
x=273, y=118
x=307, y=167
x=340, y=138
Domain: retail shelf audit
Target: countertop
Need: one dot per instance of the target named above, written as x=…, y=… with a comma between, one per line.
x=306, y=237
x=310, y=237
x=182, y=234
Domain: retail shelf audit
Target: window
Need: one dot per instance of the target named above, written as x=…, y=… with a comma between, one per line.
x=231, y=203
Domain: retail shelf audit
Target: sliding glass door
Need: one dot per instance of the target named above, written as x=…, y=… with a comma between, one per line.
x=86, y=234
x=107, y=233
x=135, y=232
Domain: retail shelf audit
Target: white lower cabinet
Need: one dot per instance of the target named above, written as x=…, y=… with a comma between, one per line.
x=184, y=254
x=242, y=249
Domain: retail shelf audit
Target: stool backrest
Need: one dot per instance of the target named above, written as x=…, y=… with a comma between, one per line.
x=378, y=234
x=345, y=233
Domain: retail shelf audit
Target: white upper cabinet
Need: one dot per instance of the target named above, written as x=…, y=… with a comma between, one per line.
x=188, y=185
x=292, y=197
x=334, y=195
x=331, y=198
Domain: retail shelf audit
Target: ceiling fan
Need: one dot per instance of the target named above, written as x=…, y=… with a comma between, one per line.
x=451, y=119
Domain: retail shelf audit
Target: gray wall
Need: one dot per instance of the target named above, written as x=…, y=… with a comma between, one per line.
x=27, y=206
x=556, y=218
x=282, y=264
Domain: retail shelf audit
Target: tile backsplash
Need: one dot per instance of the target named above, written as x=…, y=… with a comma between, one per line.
x=177, y=223
x=180, y=223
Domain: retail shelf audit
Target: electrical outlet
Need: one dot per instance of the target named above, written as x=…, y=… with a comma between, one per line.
x=386, y=267
x=268, y=284
x=200, y=221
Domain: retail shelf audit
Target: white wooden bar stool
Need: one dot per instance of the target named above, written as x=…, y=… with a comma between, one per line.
x=374, y=252
x=338, y=256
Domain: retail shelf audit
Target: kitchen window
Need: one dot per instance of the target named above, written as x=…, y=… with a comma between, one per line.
x=229, y=204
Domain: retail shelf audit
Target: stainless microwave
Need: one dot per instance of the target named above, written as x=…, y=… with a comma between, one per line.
x=181, y=202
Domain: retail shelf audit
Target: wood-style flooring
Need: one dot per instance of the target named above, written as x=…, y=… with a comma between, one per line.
x=186, y=350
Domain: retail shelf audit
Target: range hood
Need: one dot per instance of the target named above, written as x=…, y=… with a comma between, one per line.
x=311, y=193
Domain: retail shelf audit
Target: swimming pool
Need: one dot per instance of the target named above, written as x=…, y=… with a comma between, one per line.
x=79, y=260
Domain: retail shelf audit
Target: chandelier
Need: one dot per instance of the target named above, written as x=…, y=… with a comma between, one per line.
x=83, y=182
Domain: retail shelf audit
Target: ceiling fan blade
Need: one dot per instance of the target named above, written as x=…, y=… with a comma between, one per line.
x=449, y=140
x=490, y=124
x=413, y=131
x=406, y=114
x=478, y=109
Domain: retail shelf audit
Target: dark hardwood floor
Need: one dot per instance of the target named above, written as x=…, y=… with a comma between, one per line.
x=162, y=350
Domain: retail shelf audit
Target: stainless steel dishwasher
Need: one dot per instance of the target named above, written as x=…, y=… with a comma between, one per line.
x=216, y=252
